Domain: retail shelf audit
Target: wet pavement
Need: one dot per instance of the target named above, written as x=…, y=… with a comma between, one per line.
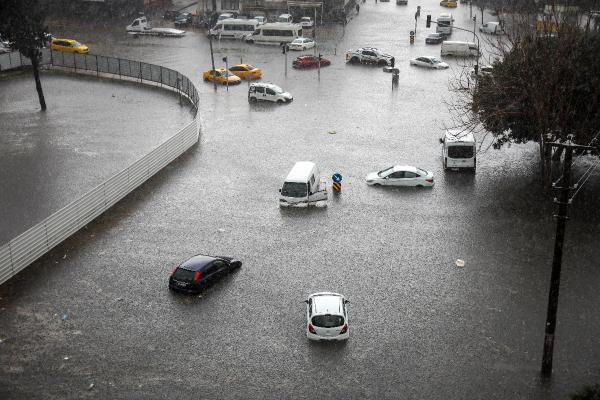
x=50, y=159
x=420, y=328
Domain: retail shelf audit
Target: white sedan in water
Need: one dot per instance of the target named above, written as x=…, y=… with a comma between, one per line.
x=302, y=43
x=401, y=175
x=428, y=62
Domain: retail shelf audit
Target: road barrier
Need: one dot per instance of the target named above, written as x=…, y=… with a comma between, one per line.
x=41, y=238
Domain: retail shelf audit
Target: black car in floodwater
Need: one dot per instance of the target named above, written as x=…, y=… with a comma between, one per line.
x=200, y=271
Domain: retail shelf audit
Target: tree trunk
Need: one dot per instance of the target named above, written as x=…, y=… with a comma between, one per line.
x=38, y=84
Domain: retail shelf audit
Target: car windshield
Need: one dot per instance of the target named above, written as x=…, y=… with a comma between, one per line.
x=327, y=321
x=434, y=35
x=182, y=274
x=250, y=67
x=76, y=43
x=422, y=172
x=226, y=73
x=460, y=151
x=294, y=189
x=435, y=60
x=385, y=172
x=277, y=89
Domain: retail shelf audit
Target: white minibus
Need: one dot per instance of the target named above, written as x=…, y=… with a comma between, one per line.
x=234, y=28
x=444, y=24
x=459, y=149
x=275, y=33
x=459, y=49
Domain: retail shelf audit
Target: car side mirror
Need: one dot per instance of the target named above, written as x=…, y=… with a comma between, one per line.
x=279, y=190
x=346, y=301
x=442, y=140
x=306, y=301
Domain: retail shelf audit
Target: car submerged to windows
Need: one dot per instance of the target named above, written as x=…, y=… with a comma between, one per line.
x=429, y=62
x=200, y=271
x=401, y=175
x=326, y=317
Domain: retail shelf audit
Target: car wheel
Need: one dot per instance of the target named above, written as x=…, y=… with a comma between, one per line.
x=354, y=60
x=224, y=83
x=205, y=79
x=280, y=101
x=382, y=63
x=419, y=186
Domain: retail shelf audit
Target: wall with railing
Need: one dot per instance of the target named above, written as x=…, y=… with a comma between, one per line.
x=21, y=251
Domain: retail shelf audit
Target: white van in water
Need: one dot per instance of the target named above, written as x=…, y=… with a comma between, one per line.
x=493, y=28
x=459, y=49
x=275, y=33
x=303, y=186
x=234, y=28
x=459, y=149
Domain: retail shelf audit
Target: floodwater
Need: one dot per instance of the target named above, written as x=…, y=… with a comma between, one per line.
x=420, y=327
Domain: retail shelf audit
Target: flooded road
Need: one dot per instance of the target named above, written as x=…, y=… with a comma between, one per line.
x=420, y=327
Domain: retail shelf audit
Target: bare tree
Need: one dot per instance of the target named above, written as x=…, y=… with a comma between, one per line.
x=23, y=24
x=546, y=84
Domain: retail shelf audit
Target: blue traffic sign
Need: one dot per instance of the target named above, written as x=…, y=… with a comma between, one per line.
x=336, y=177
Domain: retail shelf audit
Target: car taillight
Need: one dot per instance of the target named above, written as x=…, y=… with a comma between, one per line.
x=196, y=276
x=430, y=180
x=344, y=329
x=311, y=329
x=174, y=270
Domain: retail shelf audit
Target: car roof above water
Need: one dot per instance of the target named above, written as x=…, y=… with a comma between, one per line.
x=198, y=262
x=301, y=172
x=327, y=303
x=458, y=136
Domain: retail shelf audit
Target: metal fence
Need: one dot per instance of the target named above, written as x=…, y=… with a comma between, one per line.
x=117, y=67
x=41, y=238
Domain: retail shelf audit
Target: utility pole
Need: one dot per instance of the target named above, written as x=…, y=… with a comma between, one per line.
x=474, y=25
x=470, y=8
x=212, y=59
x=561, y=221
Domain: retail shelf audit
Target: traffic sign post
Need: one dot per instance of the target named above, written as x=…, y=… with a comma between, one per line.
x=337, y=182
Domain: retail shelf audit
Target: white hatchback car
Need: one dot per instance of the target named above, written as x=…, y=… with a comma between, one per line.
x=306, y=22
x=302, y=43
x=401, y=175
x=268, y=92
x=326, y=317
x=429, y=62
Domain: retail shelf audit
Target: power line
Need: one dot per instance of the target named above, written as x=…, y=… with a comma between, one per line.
x=593, y=167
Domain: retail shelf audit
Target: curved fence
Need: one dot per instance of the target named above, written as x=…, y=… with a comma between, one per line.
x=41, y=238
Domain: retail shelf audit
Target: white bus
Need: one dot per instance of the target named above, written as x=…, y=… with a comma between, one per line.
x=275, y=33
x=444, y=24
x=234, y=28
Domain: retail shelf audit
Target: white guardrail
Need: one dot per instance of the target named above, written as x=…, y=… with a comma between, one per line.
x=41, y=238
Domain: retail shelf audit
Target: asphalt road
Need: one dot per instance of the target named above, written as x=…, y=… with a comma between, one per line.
x=420, y=328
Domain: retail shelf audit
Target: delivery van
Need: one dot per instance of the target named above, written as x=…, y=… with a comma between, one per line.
x=303, y=186
x=459, y=150
x=459, y=49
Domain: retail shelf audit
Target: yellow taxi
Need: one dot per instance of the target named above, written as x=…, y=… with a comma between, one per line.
x=221, y=76
x=69, y=46
x=246, y=71
x=448, y=3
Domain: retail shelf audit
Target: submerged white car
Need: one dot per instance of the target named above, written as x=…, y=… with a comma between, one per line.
x=401, y=175
x=268, y=92
x=429, y=62
x=326, y=317
x=302, y=43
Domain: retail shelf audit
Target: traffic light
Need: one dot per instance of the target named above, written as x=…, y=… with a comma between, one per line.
x=428, y=23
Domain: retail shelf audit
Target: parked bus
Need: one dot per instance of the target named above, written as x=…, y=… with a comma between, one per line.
x=234, y=28
x=275, y=33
